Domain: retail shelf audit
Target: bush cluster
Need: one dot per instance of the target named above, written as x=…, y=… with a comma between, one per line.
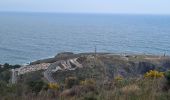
x=167, y=76
x=154, y=74
x=54, y=86
x=119, y=78
x=71, y=81
x=88, y=82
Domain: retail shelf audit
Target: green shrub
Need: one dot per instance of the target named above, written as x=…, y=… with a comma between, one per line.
x=167, y=76
x=90, y=98
x=36, y=86
x=71, y=81
x=5, y=75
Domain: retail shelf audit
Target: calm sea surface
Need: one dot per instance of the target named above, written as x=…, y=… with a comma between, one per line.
x=26, y=37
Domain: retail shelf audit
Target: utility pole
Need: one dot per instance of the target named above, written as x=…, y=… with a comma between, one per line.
x=164, y=54
x=95, y=55
x=95, y=51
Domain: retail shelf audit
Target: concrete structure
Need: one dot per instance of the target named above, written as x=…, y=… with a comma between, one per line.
x=70, y=64
x=27, y=69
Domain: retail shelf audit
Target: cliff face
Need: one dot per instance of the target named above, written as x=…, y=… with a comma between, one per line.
x=105, y=64
x=135, y=67
x=166, y=64
x=144, y=67
x=111, y=66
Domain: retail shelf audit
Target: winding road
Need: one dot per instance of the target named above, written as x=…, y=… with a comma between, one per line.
x=61, y=65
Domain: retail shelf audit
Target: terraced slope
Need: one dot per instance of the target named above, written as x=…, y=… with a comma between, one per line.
x=63, y=65
x=102, y=65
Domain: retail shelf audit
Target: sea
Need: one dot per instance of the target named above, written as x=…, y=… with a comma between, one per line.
x=26, y=37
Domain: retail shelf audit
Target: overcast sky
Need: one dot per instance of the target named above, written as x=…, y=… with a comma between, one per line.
x=88, y=6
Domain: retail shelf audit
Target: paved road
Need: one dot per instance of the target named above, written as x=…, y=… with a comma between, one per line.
x=48, y=72
x=66, y=66
x=14, y=76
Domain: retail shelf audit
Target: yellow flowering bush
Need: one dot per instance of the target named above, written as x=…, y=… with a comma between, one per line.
x=119, y=81
x=119, y=78
x=154, y=74
x=54, y=86
x=88, y=82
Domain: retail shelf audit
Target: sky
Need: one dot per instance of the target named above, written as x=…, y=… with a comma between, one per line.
x=88, y=6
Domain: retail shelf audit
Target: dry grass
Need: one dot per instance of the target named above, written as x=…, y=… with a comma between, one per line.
x=130, y=89
x=91, y=88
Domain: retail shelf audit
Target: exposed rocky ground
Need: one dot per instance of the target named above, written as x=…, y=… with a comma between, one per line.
x=111, y=65
x=97, y=65
x=89, y=76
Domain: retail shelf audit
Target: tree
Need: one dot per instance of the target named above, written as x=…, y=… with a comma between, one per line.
x=36, y=86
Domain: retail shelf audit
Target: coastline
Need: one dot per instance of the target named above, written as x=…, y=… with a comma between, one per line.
x=66, y=55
